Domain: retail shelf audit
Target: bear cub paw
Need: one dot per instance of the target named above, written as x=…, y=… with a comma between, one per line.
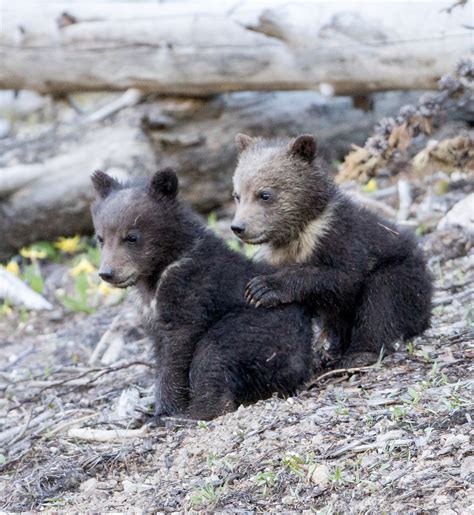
x=357, y=359
x=266, y=291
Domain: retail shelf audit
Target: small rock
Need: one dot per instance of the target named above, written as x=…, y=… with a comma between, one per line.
x=396, y=434
x=456, y=440
x=288, y=499
x=442, y=499
x=467, y=467
x=89, y=485
x=129, y=487
x=319, y=475
x=112, y=354
x=369, y=460
x=124, y=407
x=461, y=215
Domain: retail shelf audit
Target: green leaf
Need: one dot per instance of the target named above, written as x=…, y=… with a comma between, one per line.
x=32, y=275
x=48, y=248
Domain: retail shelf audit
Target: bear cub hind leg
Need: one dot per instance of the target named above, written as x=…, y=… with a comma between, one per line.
x=395, y=305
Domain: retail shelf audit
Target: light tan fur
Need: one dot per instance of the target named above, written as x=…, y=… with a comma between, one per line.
x=299, y=250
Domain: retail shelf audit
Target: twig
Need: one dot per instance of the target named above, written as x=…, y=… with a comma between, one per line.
x=405, y=200
x=107, y=435
x=103, y=342
x=69, y=423
x=13, y=433
x=339, y=371
x=23, y=431
x=457, y=3
x=20, y=356
x=101, y=372
x=348, y=447
x=130, y=98
x=443, y=301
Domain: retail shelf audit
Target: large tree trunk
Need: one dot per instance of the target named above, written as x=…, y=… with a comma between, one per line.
x=204, y=48
x=45, y=189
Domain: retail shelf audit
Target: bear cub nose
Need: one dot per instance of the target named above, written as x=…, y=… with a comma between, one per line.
x=107, y=274
x=238, y=228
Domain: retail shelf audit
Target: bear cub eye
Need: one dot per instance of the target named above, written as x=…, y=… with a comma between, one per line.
x=99, y=239
x=131, y=238
x=264, y=195
x=236, y=197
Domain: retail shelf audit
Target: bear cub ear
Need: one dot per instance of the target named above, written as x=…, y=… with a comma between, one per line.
x=304, y=147
x=243, y=141
x=164, y=184
x=103, y=183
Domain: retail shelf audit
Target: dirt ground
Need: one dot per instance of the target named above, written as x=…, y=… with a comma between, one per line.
x=76, y=393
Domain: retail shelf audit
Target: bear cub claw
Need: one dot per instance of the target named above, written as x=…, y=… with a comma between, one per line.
x=266, y=292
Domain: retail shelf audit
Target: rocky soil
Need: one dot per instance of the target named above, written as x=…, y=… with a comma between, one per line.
x=76, y=394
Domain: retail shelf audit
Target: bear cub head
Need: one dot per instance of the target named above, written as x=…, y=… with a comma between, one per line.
x=136, y=226
x=279, y=187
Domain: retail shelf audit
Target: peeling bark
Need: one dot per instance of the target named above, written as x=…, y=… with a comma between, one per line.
x=204, y=48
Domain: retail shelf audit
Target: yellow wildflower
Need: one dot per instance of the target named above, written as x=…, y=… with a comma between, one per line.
x=30, y=253
x=371, y=186
x=104, y=289
x=84, y=266
x=13, y=268
x=68, y=245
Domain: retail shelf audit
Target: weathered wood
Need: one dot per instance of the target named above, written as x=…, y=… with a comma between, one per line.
x=204, y=48
x=16, y=292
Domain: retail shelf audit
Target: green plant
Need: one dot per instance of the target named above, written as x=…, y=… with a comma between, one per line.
x=5, y=308
x=212, y=219
x=415, y=395
x=234, y=244
x=336, y=478
x=32, y=275
x=93, y=255
x=295, y=463
x=265, y=480
x=46, y=249
x=398, y=412
x=80, y=301
x=207, y=496
x=212, y=459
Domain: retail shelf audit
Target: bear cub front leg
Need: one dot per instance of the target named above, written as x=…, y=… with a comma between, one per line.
x=268, y=291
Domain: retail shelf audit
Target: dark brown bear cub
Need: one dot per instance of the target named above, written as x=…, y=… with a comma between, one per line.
x=213, y=351
x=363, y=277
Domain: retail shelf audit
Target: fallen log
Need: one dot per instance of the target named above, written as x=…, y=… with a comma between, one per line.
x=204, y=48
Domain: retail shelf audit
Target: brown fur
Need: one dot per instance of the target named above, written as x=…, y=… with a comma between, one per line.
x=365, y=279
x=285, y=221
